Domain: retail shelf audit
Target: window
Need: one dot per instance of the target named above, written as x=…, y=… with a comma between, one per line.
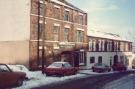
x=80, y=35
x=66, y=34
x=97, y=45
x=90, y=45
x=100, y=59
x=41, y=9
x=111, y=61
x=94, y=45
x=66, y=16
x=80, y=19
x=67, y=65
x=105, y=45
x=4, y=68
x=92, y=59
x=40, y=32
x=100, y=45
x=81, y=58
x=56, y=33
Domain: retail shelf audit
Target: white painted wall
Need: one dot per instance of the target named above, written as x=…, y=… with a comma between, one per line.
x=14, y=20
x=106, y=57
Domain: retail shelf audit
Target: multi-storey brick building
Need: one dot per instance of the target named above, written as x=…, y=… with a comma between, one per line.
x=54, y=30
x=62, y=27
x=108, y=48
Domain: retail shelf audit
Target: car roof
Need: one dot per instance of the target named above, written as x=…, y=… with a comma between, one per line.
x=61, y=62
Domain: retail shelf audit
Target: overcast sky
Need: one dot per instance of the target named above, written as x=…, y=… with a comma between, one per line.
x=116, y=16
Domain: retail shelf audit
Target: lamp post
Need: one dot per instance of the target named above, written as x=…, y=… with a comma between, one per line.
x=43, y=38
x=41, y=33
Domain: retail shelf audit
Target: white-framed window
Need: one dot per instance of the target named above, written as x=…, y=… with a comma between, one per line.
x=90, y=45
x=66, y=15
x=81, y=58
x=80, y=19
x=79, y=36
x=66, y=34
x=94, y=45
x=56, y=30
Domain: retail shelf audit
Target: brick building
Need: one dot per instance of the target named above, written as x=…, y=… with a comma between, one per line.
x=63, y=31
x=42, y=29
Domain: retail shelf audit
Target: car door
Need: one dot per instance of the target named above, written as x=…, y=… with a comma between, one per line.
x=68, y=68
x=6, y=76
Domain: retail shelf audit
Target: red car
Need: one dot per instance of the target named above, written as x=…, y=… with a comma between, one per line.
x=100, y=67
x=60, y=69
x=8, y=78
x=119, y=67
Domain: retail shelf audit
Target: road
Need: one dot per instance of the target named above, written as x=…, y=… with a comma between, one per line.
x=89, y=82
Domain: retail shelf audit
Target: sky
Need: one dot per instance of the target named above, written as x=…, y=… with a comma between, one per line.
x=115, y=16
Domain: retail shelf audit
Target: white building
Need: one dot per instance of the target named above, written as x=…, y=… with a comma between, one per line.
x=14, y=31
x=108, y=48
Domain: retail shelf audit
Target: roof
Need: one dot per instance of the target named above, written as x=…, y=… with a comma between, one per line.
x=67, y=4
x=99, y=34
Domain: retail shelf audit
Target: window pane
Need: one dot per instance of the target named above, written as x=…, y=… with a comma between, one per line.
x=56, y=33
x=66, y=15
x=92, y=59
x=66, y=34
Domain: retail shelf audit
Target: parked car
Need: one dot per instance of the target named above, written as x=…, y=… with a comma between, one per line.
x=119, y=67
x=100, y=67
x=60, y=69
x=8, y=78
x=133, y=64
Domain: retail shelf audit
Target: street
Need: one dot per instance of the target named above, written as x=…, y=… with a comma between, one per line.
x=90, y=82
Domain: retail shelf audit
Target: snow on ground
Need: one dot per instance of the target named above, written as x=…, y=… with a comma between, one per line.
x=36, y=78
x=127, y=82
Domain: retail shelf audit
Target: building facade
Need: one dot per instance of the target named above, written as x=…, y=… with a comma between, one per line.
x=109, y=49
x=60, y=28
x=42, y=31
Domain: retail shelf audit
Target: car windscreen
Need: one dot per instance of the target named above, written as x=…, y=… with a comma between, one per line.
x=55, y=65
x=4, y=68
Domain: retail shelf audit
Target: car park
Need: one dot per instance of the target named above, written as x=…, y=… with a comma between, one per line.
x=9, y=78
x=100, y=67
x=60, y=69
x=119, y=67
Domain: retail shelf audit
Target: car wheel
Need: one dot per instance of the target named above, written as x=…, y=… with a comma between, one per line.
x=20, y=82
x=109, y=70
x=93, y=70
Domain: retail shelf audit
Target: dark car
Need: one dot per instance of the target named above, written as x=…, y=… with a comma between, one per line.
x=100, y=67
x=60, y=69
x=119, y=67
x=8, y=78
x=133, y=64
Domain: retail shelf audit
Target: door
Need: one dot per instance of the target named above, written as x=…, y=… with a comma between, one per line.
x=115, y=59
